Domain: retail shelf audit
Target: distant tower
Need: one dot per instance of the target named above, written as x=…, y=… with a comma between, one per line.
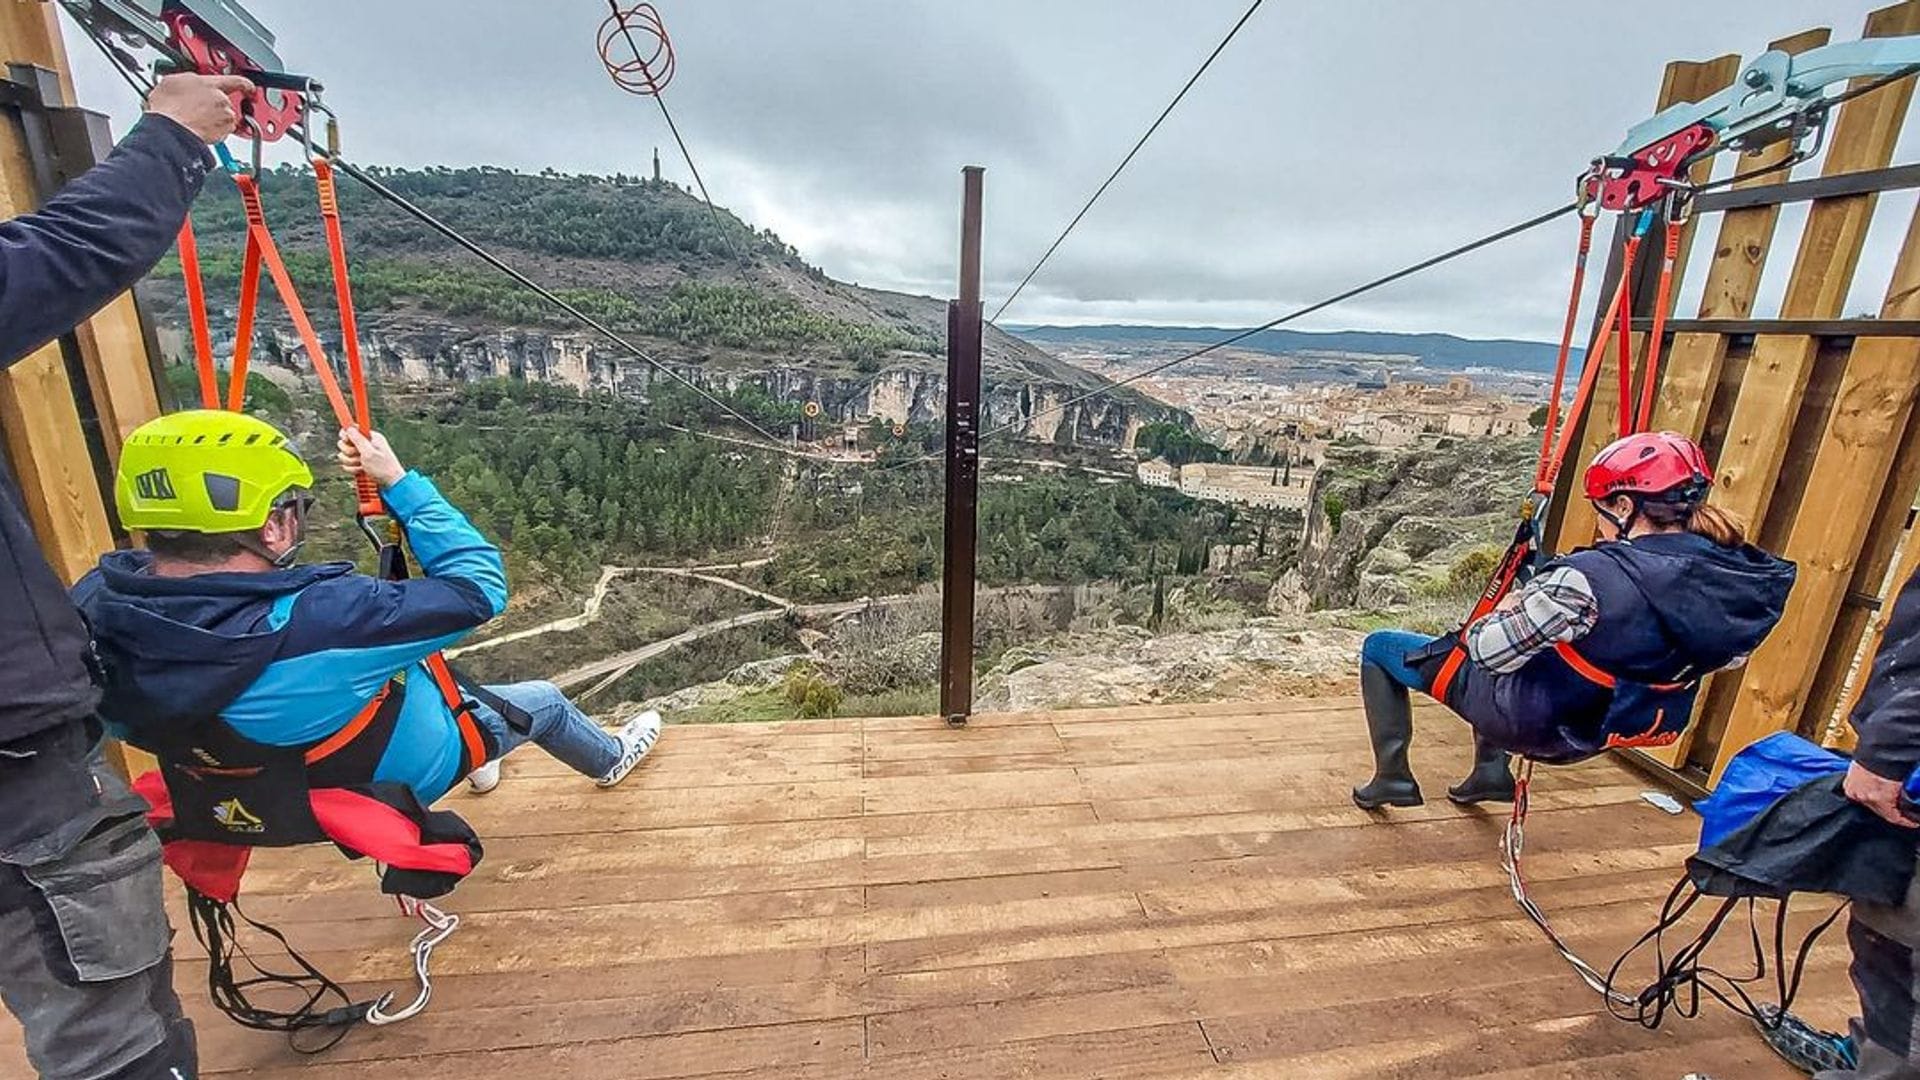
x=656, y=165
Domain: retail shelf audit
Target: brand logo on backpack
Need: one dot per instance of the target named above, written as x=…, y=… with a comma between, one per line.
x=235, y=817
x=154, y=484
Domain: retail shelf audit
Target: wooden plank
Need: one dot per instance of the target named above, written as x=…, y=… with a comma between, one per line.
x=1107, y=937
x=1856, y=453
x=1842, y=736
x=1768, y=408
x=1695, y=360
x=1875, y=574
x=1863, y=138
x=1573, y=517
x=45, y=444
x=1739, y=259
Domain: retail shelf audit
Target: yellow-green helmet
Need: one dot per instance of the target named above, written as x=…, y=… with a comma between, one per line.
x=205, y=471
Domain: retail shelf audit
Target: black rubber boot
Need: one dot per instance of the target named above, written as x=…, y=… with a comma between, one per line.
x=1491, y=779
x=1390, y=726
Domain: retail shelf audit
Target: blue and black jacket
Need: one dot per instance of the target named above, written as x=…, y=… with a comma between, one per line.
x=1674, y=608
x=291, y=657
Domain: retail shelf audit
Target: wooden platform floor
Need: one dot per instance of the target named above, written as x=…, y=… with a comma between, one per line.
x=1165, y=892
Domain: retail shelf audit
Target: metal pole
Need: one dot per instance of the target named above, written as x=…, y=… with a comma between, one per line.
x=963, y=465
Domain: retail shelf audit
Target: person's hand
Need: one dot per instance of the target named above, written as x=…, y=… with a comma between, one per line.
x=199, y=103
x=1878, y=794
x=370, y=454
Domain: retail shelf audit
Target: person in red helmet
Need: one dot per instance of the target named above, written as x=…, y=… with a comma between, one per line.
x=1604, y=647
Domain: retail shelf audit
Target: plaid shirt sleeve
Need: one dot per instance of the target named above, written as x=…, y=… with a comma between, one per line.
x=1556, y=606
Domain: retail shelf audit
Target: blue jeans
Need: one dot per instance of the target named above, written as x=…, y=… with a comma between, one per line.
x=1388, y=649
x=559, y=728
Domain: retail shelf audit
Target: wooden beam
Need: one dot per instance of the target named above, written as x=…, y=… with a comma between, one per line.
x=1870, y=413
x=1841, y=735
x=1775, y=378
x=1573, y=518
x=1695, y=360
x=1863, y=138
x=1875, y=576
x=45, y=443
x=1896, y=178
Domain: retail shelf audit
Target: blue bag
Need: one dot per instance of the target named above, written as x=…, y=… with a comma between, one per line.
x=1757, y=777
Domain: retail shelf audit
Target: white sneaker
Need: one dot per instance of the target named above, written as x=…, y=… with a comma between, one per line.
x=485, y=778
x=636, y=738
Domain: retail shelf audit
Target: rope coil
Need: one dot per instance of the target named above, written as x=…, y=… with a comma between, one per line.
x=647, y=75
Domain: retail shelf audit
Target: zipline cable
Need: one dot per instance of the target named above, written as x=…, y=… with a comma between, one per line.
x=1124, y=162
x=143, y=87
x=1298, y=313
x=651, y=86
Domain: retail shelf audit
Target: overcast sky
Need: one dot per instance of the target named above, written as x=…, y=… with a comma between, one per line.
x=1329, y=143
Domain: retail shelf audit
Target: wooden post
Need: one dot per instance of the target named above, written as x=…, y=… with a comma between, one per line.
x=964, y=332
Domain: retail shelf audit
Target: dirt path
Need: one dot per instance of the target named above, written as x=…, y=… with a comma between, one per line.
x=590, y=612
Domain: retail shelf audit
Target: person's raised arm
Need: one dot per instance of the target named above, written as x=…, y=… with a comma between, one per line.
x=106, y=229
x=443, y=540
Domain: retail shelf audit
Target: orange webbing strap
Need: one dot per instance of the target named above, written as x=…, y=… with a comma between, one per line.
x=1656, y=335
x=1443, y=680
x=197, y=317
x=1625, y=352
x=1544, y=474
x=338, y=740
x=457, y=703
x=369, y=492
x=261, y=246
x=243, y=323
x=1582, y=666
x=1583, y=396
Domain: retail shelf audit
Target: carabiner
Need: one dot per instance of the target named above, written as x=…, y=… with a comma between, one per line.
x=439, y=926
x=1679, y=207
x=1586, y=191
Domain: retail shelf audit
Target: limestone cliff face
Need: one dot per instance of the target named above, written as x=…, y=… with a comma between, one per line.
x=1405, y=517
x=906, y=389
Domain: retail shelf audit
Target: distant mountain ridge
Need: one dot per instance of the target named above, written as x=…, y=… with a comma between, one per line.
x=1442, y=351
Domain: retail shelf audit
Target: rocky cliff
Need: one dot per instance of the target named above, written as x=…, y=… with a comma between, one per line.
x=1385, y=527
x=721, y=305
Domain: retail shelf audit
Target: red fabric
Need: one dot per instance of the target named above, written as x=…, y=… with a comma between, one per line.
x=213, y=870
x=359, y=823
x=1647, y=464
x=364, y=824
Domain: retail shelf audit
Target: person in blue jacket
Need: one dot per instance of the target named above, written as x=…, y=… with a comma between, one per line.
x=1604, y=647
x=216, y=621
x=85, y=949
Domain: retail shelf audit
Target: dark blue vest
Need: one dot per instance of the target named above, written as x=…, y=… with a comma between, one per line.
x=1673, y=609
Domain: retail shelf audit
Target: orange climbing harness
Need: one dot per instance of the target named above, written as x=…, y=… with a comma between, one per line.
x=1556, y=443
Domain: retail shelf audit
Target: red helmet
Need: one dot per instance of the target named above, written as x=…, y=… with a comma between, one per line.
x=1651, y=463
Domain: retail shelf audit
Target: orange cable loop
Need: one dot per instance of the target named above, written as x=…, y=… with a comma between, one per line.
x=642, y=75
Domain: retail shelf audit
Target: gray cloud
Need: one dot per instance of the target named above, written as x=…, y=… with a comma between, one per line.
x=1330, y=143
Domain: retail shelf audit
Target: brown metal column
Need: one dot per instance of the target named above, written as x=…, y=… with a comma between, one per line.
x=963, y=465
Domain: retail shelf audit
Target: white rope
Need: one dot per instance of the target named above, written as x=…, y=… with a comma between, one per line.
x=1512, y=842
x=439, y=926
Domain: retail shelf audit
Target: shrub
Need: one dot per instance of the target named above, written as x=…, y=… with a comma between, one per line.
x=810, y=694
x=1471, y=571
x=1336, y=508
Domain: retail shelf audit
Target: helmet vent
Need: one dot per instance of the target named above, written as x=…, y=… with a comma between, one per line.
x=223, y=492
